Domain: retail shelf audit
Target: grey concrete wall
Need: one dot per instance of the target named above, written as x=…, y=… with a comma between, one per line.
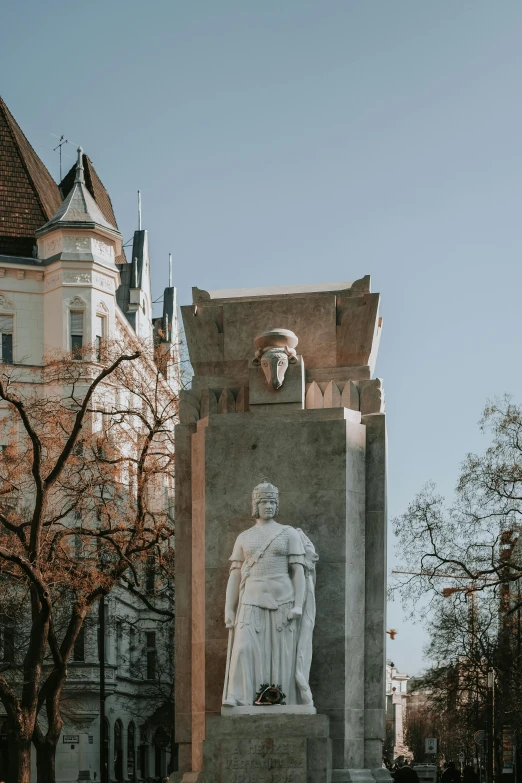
x=183, y=622
x=316, y=458
x=375, y=622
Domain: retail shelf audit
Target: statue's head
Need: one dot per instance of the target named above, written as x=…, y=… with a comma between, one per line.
x=264, y=491
x=275, y=349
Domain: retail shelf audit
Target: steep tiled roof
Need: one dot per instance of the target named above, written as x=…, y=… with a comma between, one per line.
x=97, y=190
x=29, y=196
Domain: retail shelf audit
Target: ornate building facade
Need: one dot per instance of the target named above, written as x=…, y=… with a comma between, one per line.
x=396, y=704
x=64, y=283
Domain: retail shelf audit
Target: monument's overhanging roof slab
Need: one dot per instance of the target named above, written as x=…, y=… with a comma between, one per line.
x=361, y=286
x=279, y=289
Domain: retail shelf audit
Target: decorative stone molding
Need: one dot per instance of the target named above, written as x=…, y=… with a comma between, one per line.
x=103, y=249
x=366, y=396
x=2, y=272
x=208, y=403
x=6, y=303
x=350, y=396
x=274, y=350
x=77, y=277
x=77, y=301
x=188, y=408
x=332, y=396
x=242, y=400
x=102, y=308
x=51, y=247
x=228, y=400
x=76, y=244
x=20, y=274
x=103, y=282
x=52, y=280
x=314, y=396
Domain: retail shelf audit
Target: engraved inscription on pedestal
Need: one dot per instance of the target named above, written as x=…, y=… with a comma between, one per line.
x=266, y=760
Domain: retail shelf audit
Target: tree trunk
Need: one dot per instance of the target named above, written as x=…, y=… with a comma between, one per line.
x=45, y=762
x=19, y=760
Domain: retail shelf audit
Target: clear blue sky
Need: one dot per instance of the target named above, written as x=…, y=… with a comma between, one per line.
x=282, y=141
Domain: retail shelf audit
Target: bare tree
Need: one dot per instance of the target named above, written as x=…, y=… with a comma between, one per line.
x=462, y=565
x=85, y=471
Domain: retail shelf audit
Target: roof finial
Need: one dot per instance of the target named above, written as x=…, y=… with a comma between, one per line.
x=79, y=168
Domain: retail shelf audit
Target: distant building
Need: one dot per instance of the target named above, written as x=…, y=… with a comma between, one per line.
x=396, y=704
x=65, y=282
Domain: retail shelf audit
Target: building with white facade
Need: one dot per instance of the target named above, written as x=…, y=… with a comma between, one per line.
x=396, y=704
x=65, y=282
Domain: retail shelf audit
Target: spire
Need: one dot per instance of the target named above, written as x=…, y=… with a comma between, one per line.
x=79, y=178
x=79, y=209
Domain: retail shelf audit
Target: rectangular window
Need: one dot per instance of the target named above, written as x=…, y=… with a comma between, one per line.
x=132, y=651
x=76, y=333
x=106, y=635
x=79, y=646
x=100, y=334
x=151, y=655
x=6, y=343
x=150, y=576
x=7, y=640
x=119, y=637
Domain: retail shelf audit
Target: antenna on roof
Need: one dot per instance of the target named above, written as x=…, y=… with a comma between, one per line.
x=62, y=141
x=139, y=210
x=170, y=270
x=59, y=146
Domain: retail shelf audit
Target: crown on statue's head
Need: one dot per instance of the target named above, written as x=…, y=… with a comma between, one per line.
x=264, y=491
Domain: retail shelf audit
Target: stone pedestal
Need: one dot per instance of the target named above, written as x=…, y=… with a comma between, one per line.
x=267, y=749
x=321, y=439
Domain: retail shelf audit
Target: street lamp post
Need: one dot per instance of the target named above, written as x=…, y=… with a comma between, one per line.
x=490, y=729
x=101, y=653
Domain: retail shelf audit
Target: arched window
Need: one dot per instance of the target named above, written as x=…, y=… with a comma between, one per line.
x=118, y=750
x=106, y=743
x=161, y=742
x=131, y=751
x=143, y=757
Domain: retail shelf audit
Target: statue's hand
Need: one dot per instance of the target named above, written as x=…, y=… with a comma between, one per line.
x=230, y=618
x=297, y=611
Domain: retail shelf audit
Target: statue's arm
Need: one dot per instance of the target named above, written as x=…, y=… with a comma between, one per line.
x=297, y=576
x=232, y=597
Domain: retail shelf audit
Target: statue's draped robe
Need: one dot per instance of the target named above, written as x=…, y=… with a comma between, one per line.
x=266, y=647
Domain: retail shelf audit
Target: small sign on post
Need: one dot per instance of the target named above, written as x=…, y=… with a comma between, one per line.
x=430, y=745
x=479, y=737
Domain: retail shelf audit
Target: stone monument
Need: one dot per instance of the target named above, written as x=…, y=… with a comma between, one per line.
x=281, y=538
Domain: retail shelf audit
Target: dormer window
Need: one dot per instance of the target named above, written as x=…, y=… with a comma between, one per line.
x=76, y=333
x=6, y=342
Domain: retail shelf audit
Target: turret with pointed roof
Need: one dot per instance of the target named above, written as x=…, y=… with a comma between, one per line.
x=79, y=209
x=97, y=190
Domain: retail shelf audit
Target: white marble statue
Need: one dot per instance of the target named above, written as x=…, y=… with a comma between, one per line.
x=270, y=607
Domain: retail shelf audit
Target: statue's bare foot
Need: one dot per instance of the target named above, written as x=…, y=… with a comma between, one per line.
x=230, y=702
